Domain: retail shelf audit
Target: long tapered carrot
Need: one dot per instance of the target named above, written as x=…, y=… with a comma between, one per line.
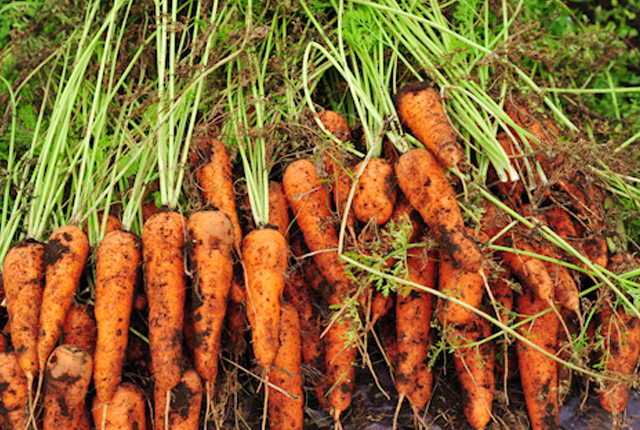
x=66, y=382
x=264, y=253
x=286, y=409
x=475, y=369
x=117, y=260
x=420, y=109
x=65, y=255
x=126, y=410
x=13, y=393
x=80, y=328
x=162, y=250
x=184, y=407
x=422, y=180
x=210, y=244
x=216, y=181
x=414, y=308
x=538, y=373
x=23, y=277
x=376, y=193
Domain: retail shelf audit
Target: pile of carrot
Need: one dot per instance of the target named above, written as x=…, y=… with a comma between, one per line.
x=209, y=278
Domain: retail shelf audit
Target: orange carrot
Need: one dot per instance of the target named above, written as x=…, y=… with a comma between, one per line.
x=420, y=108
x=414, y=308
x=237, y=326
x=340, y=355
x=621, y=332
x=184, y=407
x=65, y=255
x=286, y=410
x=23, y=276
x=13, y=393
x=126, y=410
x=80, y=328
x=538, y=373
x=113, y=223
x=336, y=125
x=216, y=181
x=210, y=244
x=475, y=368
x=278, y=209
x=264, y=254
x=376, y=193
x=422, y=180
x=66, y=382
x=404, y=212
x=117, y=260
x=503, y=293
x=162, y=250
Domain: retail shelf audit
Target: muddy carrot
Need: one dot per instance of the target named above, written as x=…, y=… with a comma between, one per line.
x=13, y=393
x=80, y=328
x=376, y=194
x=126, y=410
x=117, y=260
x=184, y=406
x=278, y=209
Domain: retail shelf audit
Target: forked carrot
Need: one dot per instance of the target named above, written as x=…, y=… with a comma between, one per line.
x=14, y=393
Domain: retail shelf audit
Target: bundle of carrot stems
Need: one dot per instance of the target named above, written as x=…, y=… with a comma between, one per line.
x=257, y=202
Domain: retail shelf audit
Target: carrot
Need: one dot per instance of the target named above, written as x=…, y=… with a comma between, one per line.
x=23, y=276
x=503, y=293
x=148, y=209
x=162, y=245
x=286, y=410
x=13, y=393
x=404, y=212
x=420, y=108
x=65, y=255
x=336, y=125
x=216, y=181
x=621, y=332
x=414, y=308
x=340, y=355
x=66, y=381
x=112, y=222
x=184, y=407
x=236, y=328
x=80, y=328
x=126, y=410
x=264, y=254
x=538, y=373
x=388, y=337
x=465, y=286
x=117, y=260
x=210, y=249
x=475, y=368
x=376, y=193
x=278, y=209
x=422, y=180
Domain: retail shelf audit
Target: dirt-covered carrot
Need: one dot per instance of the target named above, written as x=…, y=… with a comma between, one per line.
x=13, y=393
x=621, y=334
x=286, y=410
x=184, y=406
x=420, y=108
x=404, y=212
x=502, y=292
x=65, y=255
x=216, y=181
x=237, y=327
x=538, y=373
x=264, y=253
x=23, y=277
x=117, y=260
x=340, y=355
x=66, y=381
x=376, y=193
x=163, y=238
x=126, y=410
x=422, y=180
x=113, y=223
x=210, y=247
x=80, y=328
x=475, y=368
x=414, y=308
x=278, y=209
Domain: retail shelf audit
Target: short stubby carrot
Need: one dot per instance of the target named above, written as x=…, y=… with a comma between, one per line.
x=23, y=277
x=163, y=238
x=621, y=333
x=216, y=181
x=264, y=253
x=211, y=242
x=286, y=409
x=420, y=108
x=14, y=393
x=80, y=328
x=475, y=369
x=376, y=193
x=117, y=260
x=414, y=309
x=422, y=180
x=126, y=410
x=66, y=382
x=538, y=373
x=65, y=255
x=184, y=407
